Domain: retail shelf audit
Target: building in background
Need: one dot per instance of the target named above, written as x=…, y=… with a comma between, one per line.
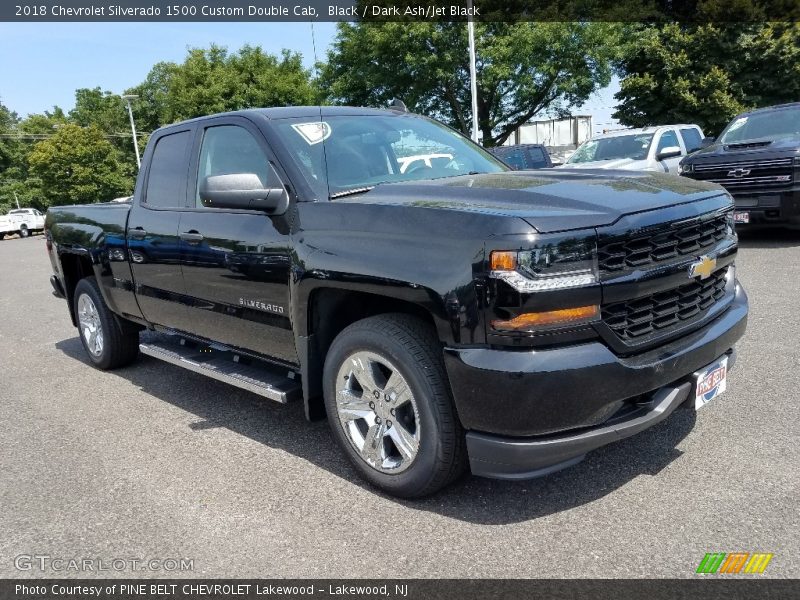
x=560, y=136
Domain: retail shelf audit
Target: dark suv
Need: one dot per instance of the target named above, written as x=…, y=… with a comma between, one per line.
x=522, y=157
x=757, y=159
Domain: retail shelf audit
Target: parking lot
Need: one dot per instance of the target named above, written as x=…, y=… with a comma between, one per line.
x=152, y=461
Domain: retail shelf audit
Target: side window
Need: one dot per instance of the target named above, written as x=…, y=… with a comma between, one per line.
x=691, y=139
x=230, y=149
x=166, y=182
x=668, y=138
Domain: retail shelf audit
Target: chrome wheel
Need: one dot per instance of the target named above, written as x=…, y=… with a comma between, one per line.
x=90, y=325
x=378, y=412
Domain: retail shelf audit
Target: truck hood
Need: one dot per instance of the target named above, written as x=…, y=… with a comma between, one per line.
x=759, y=149
x=549, y=200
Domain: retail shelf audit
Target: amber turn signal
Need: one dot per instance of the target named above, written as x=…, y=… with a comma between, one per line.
x=503, y=261
x=564, y=316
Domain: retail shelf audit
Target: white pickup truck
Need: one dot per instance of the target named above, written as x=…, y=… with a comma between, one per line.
x=21, y=221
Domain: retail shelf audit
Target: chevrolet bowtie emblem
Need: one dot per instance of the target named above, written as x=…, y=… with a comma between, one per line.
x=738, y=172
x=703, y=267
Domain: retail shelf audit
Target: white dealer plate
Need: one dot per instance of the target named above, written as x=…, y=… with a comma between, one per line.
x=711, y=382
x=741, y=217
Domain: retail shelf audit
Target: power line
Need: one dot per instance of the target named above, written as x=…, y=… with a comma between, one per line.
x=45, y=136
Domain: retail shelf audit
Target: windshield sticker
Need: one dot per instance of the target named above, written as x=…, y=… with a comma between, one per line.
x=313, y=133
x=737, y=123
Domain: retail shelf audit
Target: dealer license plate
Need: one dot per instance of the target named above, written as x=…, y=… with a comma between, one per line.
x=741, y=217
x=711, y=382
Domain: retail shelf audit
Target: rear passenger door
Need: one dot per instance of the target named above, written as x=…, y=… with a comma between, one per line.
x=236, y=262
x=152, y=233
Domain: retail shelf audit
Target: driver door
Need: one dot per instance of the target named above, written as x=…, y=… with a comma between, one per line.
x=236, y=262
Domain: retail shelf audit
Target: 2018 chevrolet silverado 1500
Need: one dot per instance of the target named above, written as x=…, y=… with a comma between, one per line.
x=457, y=313
x=757, y=159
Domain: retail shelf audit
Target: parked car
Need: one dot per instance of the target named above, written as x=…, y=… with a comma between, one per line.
x=648, y=149
x=757, y=159
x=409, y=164
x=22, y=221
x=521, y=157
x=460, y=314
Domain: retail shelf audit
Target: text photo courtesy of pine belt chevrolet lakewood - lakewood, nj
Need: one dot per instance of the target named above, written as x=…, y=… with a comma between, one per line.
x=399, y=299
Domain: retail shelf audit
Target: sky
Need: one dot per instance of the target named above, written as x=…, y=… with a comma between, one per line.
x=42, y=64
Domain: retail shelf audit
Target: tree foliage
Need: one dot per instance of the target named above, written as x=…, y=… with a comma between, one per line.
x=87, y=155
x=78, y=165
x=213, y=80
x=707, y=73
x=523, y=69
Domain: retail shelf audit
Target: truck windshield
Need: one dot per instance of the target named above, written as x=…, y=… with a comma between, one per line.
x=634, y=147
x=763, y=125
x=348, y=153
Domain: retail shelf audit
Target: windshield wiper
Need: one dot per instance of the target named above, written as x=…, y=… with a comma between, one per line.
x=352, y=192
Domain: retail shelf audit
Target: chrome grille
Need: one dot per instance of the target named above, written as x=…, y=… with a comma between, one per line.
x=634, y=320
x=643, y=250
x=773, y=172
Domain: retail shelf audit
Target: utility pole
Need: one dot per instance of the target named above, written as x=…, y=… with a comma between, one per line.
x=16, y=199
x=473, y=78
x=128, y=98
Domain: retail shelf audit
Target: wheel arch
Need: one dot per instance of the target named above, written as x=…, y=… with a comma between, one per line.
x=329, y=310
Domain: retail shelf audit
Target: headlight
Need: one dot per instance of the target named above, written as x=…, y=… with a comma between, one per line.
x=685, y=168
x=553, y=264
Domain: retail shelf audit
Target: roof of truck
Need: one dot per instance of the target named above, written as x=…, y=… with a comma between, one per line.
x=295, y=112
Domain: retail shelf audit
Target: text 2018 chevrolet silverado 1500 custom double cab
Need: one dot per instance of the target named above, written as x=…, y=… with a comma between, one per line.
x=443, y=316
x=757, y=159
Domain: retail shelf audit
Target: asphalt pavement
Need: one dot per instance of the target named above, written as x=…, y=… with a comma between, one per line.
x=154, y=462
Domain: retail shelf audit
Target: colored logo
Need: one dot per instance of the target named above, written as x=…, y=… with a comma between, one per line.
x=734, y=562
x=707, y=387
x=703, y=267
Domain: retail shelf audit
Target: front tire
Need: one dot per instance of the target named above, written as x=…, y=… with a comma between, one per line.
x=389, y=405
x=104, y=340
x=23, y=231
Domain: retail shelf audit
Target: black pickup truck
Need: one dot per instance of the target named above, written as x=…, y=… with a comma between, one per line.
x=757, y=159
x=449, y=314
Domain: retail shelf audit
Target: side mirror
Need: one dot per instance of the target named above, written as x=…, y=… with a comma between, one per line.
x=707, y=141
x=242, y=190
x=668, y=152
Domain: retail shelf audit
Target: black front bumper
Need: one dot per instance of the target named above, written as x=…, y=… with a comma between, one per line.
x=770, y=207
x=534, y=411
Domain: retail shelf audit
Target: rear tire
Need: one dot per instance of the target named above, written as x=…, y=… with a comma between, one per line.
x=103, y=338
x=389, y=406
x=23, y=231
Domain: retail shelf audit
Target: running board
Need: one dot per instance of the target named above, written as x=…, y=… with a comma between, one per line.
x=223, y=365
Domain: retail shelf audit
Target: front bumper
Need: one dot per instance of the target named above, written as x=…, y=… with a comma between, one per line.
x=779, y=208
x=516, y=405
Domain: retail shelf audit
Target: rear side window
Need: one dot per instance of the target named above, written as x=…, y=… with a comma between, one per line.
x=166, y=183
x=691, y=139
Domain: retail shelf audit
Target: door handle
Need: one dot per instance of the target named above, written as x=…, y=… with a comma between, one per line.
x=137, y=233
x=193, y=237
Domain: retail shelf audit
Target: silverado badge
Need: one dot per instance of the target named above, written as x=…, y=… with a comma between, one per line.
x=703, y=267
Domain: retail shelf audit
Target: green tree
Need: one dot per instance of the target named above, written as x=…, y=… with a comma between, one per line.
x=79, y=165
x=707, y=73
x=213, y=80
x=523, y=69
x=8, y=146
